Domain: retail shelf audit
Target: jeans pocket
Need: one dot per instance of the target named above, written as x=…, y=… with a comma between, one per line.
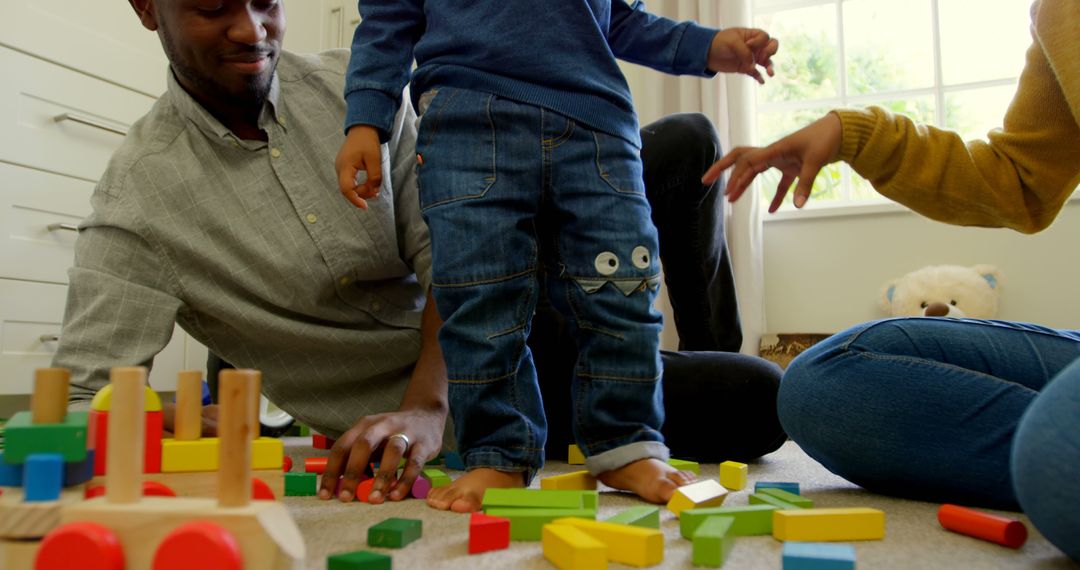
x=618, y=163
x=456, y=144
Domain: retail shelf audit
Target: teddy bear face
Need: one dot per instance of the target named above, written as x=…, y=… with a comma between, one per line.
x=944, y=291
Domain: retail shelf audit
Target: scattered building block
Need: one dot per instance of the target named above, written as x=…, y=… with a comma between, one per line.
x=574, y=456
x=320, y=441
x=752, y=520
x=301, y=484
x=827, y=525
x=43, y=477
x=818, y=556
x=453, y=460
x=713, y=542
x=578, y=480
x=993, y=528
x=526, y=523
x=420, y=488
x=733, y=475
x=436, y=477
x=569, y=548
x=286, y=463
x=685, y=465
x=704, y=493
x=644, y=516
x=787, y=486
x=488, y=533
x=536, y=498
x=791, y=498
x=10, y=473
x=626, y=544
x=315, y=464
x=394, y=533
x=763, y=499
x=359, y=560
x=22, y=437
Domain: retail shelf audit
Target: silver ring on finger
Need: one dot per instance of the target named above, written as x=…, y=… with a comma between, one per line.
x=404, y=439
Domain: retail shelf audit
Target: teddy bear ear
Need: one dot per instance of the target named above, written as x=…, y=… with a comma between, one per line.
x=990, y=273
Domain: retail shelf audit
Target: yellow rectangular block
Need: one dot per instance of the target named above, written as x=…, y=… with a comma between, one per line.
x=578, y=480
x=701, y=494
x=733, y=475
x=570, y=548
x=626, y=544
x=202, y=454
x=574, y=456
x=822, y=525
x=267, y=453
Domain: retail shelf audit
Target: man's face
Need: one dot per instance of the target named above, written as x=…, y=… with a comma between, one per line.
x=222, y=51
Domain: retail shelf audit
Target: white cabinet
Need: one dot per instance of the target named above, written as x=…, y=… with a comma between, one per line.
x=320, y=25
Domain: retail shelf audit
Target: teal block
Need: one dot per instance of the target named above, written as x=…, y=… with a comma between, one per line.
x=359, y=560
x=394, y=533
x=643, y=516
x=764, y=499
x=818, y=556
x=454, y=461
x=788, y=497
x=527, y=523
x=301, y=484
x=713, y=542
x=753, y=520
x=787, y=486
x=22, y=437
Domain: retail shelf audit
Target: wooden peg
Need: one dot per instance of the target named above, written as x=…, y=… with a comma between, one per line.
x=234, y=436
x=125, y=439
x=188, y=420
x=48, y=405
x=256, y=400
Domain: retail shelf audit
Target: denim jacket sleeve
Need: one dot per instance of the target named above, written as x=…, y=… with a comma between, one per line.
x=637, y=36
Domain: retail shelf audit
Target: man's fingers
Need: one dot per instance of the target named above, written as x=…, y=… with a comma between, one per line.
x=393, y=450
x=359, y=456
x=413, y=467
x=339, y=454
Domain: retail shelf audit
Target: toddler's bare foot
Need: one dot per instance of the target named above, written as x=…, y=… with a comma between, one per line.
x=651, y=479
x=466, y=493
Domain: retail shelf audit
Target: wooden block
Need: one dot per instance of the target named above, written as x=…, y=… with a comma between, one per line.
x=538, y=498
x=785, y=485
x=23, y=437
x=436, y=476
x=202, y=454
x=267, y=453
x=752, y=520
x=420, y=488
x=301, y=484
x=77, y=472
x=358, y=560
x=826, y=525
x=43, y=477
x=626, y=544
x=569, y=548
x=578, y=480
x=763, y=499
x=102, y=401
x=692, y=466
x=644, y=516
x=453, y=460
x=10, y=473
x=286, y=463
x=701, y=494
x=394, y=533
x=152, y=442
x=713, y=541
x=320, y=441
x=488, y=533
x=818, y=556
x=204, y=483
x=574, y=455
x=98, y=438
x=797, y=500
x=18, y=554
x=733, y=475
x=993, y=528
x=20, y=520
x=526, y=523
x=315, y=464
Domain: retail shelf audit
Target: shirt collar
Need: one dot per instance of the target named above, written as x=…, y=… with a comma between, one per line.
x=193, y=111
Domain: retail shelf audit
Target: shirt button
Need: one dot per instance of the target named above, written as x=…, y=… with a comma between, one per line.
x=376, y=306
x=275, y=152
x=281, y=121
x=312, y=218
x=344, y=280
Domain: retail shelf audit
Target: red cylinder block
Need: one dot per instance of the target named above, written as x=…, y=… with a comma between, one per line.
x=993, y=528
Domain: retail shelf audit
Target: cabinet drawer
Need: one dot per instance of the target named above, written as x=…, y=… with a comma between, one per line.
x=38, y=216
x=57, y=120
x=31, y=315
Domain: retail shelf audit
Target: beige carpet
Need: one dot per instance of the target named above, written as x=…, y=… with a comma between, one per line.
x=913, y=537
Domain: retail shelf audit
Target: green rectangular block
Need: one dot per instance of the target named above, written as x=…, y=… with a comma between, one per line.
x=713, y=541
x=753, y=520
x=763, y=499
x=359, y=560
x=437, y=477
x=685, y=465
x=301, y=484
x=22, y=437
x=788, y=497
x=394, y=533
x=527, y=523
x=541, y=499
x=643, y=516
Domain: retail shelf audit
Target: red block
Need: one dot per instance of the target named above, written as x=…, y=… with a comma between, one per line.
x=152, y=443
x=488, y=533
x=320, y=441
x=99, y=428
x=1004, y=531
x=315, y=464
x=286, y=464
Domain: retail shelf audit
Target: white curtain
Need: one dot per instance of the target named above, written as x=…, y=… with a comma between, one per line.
x=729, y=102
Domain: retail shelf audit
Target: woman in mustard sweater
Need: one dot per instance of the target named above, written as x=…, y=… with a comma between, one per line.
x=950, y=410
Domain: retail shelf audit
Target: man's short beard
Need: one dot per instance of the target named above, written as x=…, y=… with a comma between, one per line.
x=252, y=95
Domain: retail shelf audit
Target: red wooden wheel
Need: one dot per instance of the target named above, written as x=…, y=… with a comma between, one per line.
x=82, y=545
x=201, y=545
x=260, y=491
x=156, y=489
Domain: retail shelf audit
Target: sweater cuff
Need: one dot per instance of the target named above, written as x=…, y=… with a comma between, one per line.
x=371, y=107
x=692, y=56
x=856, y=127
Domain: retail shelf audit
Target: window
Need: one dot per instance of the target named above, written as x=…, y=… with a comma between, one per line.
x=953, y=63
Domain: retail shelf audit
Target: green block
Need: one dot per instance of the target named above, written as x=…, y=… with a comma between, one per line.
x=788, y=497
x=527, y=523
x=436, y=476
x=22, y=437
x=394, y=533
x=685, y=465
x=437, y=460
x=301, y=484
x=763, y=499
x=753, y=520
x=643, y=516
x=713, y=541
x=541, y=498
x=359, y=560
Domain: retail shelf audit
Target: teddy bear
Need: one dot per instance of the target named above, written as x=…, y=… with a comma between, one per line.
x=944, y=291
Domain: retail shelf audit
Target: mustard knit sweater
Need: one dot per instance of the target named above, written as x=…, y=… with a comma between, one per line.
x=1021, y=177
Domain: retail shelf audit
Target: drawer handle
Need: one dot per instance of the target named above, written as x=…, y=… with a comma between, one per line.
x=92, y=122
x=49, y=338
x=62, y=226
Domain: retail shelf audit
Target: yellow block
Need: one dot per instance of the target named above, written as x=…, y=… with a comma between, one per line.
x=202, y=454
x=733, y=475
x=102, y=401
x=578, y=480
x=704, y=493
x=575, y=456
x=818, y=525
x=633, y=545
x=569, y=548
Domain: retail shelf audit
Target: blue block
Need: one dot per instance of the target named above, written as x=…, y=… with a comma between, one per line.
x=453, y=460
x=818, y=556
x=43, y=476
x=76, y=472
x=10, y=473
x=789, y=487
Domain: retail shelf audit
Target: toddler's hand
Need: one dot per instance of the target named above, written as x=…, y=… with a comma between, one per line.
x=361, y=151
x=743, y=50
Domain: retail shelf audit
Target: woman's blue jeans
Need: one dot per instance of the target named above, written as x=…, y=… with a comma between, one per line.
x=985, y=413
x=510, y=191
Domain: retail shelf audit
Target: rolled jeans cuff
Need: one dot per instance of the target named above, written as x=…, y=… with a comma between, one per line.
x=626, y=454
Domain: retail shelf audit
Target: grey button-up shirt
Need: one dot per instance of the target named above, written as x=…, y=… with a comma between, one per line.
x=251, y=248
